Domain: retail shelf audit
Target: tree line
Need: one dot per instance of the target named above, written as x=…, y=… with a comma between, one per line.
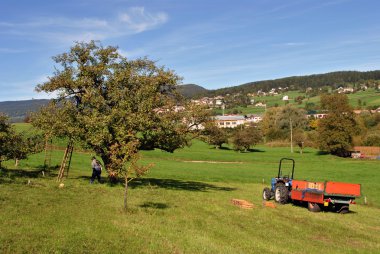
x=332, y=80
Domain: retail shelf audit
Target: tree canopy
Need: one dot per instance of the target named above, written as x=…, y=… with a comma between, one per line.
x=337, y=129
x=276, y=122
x=116, y=106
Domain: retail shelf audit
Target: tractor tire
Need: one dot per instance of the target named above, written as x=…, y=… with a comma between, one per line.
x=281, y=194
x=267, y=194
x=313, y=207
x=342, y=208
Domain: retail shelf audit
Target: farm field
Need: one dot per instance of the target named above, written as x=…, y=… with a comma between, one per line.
x=183, y=205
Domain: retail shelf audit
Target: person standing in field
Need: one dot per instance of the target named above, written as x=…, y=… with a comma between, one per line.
x=96, y=170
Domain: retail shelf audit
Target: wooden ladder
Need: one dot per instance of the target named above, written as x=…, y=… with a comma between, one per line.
x=66, y=161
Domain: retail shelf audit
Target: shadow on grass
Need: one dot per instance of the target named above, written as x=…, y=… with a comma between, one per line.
x=13, y=173
x=170, y=184
x=154, y=205
x=320, y=153
x=255, y=150
x=220, y=148
x=252, y=150
x=177, y=185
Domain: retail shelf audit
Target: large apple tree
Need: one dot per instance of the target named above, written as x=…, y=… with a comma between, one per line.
x=117, y=106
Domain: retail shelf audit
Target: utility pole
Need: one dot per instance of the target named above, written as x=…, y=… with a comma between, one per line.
x=291, y=136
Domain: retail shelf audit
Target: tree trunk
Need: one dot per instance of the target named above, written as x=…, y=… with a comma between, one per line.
x=126, y=193
x=107, y=162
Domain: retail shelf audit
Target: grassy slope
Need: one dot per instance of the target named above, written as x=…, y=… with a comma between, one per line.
x=369, y=97
x=184, y=207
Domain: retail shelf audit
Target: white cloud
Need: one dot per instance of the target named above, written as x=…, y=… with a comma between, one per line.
x=65, y=30
x=140, y=20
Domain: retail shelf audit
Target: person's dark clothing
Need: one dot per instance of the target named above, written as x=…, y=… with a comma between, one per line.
x=96, y=171
x=95, y=174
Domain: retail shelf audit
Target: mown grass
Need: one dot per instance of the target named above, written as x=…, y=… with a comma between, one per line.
x=183, y=206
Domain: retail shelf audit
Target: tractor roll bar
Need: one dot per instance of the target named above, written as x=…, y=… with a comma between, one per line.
x=279, y=167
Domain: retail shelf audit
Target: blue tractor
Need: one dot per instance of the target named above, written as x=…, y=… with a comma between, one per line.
x=280, y=185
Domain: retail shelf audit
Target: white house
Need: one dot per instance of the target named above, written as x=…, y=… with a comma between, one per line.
x=229, y=121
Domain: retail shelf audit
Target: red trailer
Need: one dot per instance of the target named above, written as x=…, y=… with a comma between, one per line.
x=331, y=195
x=336, y=195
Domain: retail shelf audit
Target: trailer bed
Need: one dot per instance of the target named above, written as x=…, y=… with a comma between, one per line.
x=324, y=192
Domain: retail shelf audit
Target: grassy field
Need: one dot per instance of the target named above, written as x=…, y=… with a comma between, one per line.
x=184, y=206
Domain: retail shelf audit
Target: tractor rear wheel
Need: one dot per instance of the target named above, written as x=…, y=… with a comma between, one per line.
x=313, y=207
x=281, y=194
x=267, y=194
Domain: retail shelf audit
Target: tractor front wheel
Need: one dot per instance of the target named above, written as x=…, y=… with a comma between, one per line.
x=281, y=194
x=267, y=194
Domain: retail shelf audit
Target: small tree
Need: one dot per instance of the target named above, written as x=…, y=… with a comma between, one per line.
x=14, y=145
x=6, y=134
x=245, y=138
x=213, y=135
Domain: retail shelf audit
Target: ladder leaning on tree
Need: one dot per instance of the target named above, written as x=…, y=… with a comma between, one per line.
x=66, y=161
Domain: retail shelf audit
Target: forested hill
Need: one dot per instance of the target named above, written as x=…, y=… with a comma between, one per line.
x=17, y=110
x=191, y=90
x=332, y=79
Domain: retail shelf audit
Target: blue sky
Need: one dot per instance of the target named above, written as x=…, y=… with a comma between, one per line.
x=212, y=43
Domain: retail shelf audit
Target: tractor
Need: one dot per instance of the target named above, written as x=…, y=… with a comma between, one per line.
x=327, y=195
x=281, y=185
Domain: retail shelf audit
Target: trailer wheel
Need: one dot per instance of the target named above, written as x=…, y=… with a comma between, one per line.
x=281, y=194
x=313, y=207
x=267, y=193
x=342, y=208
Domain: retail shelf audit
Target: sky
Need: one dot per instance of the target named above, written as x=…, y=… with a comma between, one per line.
x=211, y=43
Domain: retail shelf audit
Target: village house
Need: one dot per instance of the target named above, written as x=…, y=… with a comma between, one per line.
x=229, y=121
x=345, y=90
x=316, y=115
x=252, y=118
x=260, y=104
x=273, y=91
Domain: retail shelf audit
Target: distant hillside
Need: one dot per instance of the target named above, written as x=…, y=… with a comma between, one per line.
x=17, y=110
x=332, y=79
x=191, y=90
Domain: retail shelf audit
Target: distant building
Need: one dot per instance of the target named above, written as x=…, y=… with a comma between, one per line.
x=252, y=118
x=260, y=104
x=229, y=121
x=345, y=90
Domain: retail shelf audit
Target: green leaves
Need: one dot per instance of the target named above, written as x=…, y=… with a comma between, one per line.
x=114, y=105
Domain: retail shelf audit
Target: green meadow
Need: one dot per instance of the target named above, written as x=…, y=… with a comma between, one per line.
x=183, y=205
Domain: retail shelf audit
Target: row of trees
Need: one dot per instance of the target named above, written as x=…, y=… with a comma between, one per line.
x=242, y=138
